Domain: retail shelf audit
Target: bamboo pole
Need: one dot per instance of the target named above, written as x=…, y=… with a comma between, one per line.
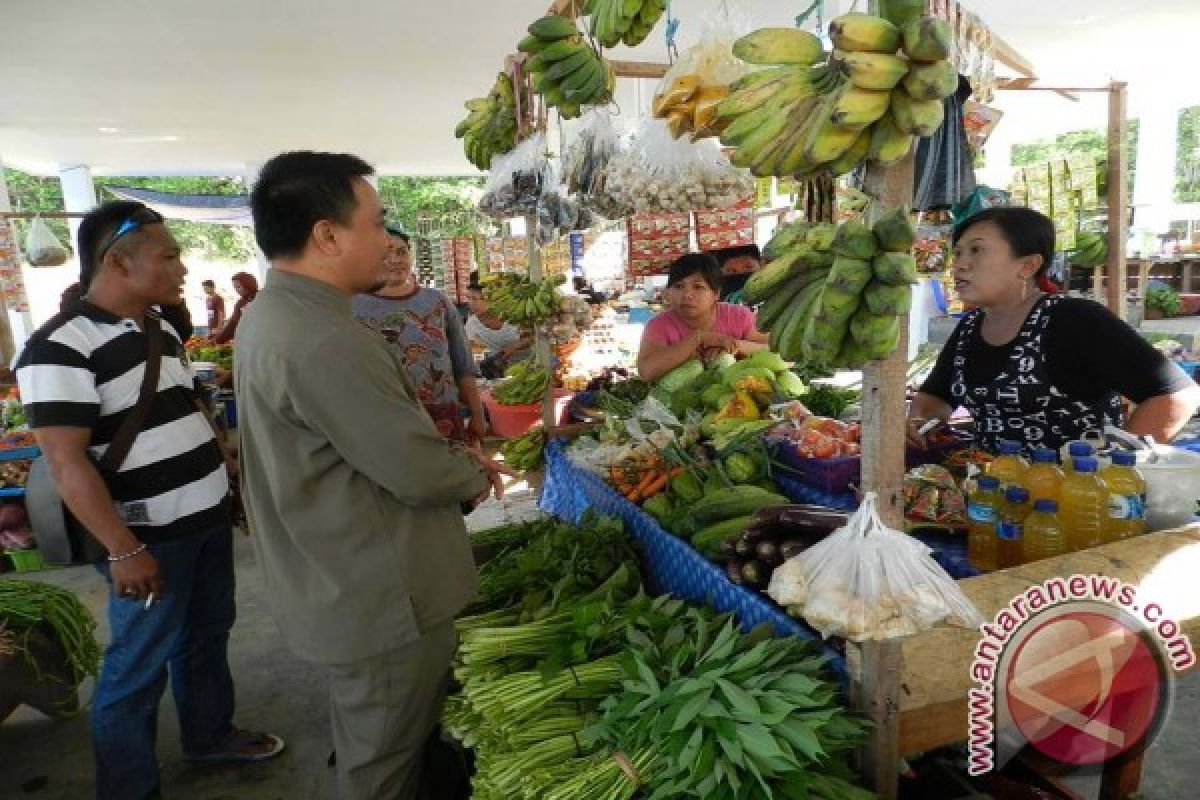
x=1118, y=208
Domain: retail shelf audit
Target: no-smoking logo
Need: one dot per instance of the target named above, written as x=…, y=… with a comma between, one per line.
x=1084, y=686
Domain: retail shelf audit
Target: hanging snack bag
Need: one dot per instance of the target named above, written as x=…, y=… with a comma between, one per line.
x=866, y=581
x=42, y=247
x=689, y=93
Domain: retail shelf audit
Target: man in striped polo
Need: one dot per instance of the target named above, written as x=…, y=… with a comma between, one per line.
x=164, y=516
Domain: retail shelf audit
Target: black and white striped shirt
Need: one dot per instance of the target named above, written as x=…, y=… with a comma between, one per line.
x=84, y=368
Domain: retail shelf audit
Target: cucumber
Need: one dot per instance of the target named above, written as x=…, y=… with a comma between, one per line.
x=708, y=539
x=734, y=501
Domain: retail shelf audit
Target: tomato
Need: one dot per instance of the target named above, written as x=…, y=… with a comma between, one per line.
x=811, y=437
x=853, y=433
x=827, y=448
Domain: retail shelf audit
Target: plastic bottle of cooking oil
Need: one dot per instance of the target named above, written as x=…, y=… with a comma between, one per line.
x=983, y=511
x=1076, y=450
x=1010, y=530
x=1083, y=505
x=1126, y=497
x=1009, y=465
x=1043, y=478
x=1044, y=536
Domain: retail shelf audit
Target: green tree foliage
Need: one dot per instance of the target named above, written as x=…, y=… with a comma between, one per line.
x=408, y=200
x=1090, y=142
x=1187, y=157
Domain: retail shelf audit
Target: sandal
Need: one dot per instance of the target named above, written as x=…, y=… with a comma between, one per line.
x=242, y=746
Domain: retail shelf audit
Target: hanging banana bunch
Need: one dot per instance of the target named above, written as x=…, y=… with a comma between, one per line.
x=810, y=112
x=567, y=72
x=490, y=128
x=626, y=22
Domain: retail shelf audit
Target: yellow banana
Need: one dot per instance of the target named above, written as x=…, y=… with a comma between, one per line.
x=864, y=32
x=857, y=108
x=779, y=46
x=931, y=81
x=880, y=71
x=918, y=117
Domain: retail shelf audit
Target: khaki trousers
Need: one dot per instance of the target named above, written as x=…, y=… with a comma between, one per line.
x=383, y=710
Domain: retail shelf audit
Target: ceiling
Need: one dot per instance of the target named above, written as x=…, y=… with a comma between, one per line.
x=186, y=87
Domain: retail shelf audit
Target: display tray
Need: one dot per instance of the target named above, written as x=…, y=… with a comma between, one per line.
x=19, y=453
x=12, y=491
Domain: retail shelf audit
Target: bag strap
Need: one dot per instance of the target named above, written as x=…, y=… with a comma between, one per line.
x=122, y=442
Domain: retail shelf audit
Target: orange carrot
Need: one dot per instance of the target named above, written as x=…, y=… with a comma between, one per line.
x=657, y=485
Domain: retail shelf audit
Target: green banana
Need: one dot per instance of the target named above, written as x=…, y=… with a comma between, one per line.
x=553, y=27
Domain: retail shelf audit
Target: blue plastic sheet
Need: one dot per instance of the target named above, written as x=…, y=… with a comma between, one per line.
x=670, y=565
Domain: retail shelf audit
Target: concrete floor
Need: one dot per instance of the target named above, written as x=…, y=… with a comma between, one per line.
x=44, y=759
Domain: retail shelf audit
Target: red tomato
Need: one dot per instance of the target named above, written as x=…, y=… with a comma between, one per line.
x=853, y=433
x=826, y=449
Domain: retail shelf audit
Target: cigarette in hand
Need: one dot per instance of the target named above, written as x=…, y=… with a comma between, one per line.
x=928, y=426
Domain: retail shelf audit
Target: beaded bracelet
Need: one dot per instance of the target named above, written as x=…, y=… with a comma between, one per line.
x=141, y=548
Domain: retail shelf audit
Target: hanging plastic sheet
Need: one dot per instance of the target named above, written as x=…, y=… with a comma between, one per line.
x=944, y=172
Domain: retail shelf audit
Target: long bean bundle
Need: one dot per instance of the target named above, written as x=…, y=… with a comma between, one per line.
x=24, y=605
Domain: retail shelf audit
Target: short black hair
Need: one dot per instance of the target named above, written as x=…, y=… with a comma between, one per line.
x=208, y=283
x=95, y=228
x=474, y=285
x=1028, y=232
x=398, y=232
x=297, y=190
x=701, y=264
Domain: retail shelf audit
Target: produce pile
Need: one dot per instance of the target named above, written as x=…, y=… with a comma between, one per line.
x=834, y=295
x=729, y=392
x=814, y=436
x=810, y=112
x=201, y=348
x=516, y=299
x=490, y=127
x=524, y=382
x=583, y=688
x=12, y=415
x=623, y=21
x=776, y=534
x=568, y=73
x=526, y=451
x=15, y=530
x=14, y=474
x=25, y=605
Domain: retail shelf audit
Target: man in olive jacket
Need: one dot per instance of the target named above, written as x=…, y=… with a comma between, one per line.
x=353, y=497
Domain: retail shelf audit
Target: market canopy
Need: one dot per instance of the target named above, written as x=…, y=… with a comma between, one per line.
x=216, y=209
x=179, y=87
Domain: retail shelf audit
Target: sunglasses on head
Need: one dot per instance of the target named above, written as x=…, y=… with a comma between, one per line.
x=138, y=219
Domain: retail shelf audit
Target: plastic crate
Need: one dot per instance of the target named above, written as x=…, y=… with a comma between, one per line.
x=831, y=475
x=27, y=560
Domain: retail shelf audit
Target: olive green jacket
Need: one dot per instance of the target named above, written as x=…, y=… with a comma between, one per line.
x=352, y=496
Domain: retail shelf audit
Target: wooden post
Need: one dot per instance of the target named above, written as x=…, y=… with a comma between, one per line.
x=1118, y=208
x=876, y=673
x=885, y=381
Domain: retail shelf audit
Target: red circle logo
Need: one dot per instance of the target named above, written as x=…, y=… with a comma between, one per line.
x=1084, y=687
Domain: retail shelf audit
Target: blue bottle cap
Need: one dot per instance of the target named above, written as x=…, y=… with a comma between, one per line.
x=1044, y=455
x=1124, y=458
x=988, y=483
x=1007, y=447
x=1016, y=494
x=1086, y=464
x=1046, y=504
x=1079, y=449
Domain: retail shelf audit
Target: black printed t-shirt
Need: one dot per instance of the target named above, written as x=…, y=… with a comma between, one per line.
x=1088, y=350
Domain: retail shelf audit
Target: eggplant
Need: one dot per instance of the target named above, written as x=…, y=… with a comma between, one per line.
x=756, y=574
x=792, y=548
x=756, y=531
x=726, y=548
x=744, y=548
x=733, y=571
x=770, y=514
x=814, y=517
x=769, y=553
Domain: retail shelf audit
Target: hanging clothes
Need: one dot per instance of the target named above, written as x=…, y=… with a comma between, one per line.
x=944, y=171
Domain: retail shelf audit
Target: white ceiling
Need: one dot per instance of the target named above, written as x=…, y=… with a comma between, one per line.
x=208, y=87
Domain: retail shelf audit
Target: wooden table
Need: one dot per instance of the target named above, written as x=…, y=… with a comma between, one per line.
x=915, y=688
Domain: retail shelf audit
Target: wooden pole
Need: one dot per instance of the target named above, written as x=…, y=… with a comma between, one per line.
x=1118, y=208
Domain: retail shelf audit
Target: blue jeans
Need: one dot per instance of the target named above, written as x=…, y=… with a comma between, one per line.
x=187, y=631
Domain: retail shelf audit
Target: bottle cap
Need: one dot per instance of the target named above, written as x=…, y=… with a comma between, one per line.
x=1086, y=464
x=1045, y=504
x=1007, y=447
x=1016, y=494
x=1124, y=458
x=988, y=483
x=1079, y=449
x=1044, y=455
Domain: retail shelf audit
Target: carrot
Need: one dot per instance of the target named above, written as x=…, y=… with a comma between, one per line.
x=657, y=485
x=641, y=490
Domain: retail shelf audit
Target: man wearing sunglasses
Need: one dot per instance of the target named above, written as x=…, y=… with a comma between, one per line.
x=162, y=514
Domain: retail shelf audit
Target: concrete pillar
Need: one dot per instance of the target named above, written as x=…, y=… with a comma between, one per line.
x=1154, y=184
x=79, y=194
x=15, y=326
x=261, y=265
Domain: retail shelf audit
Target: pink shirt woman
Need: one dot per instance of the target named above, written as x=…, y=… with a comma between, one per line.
x=696, y=325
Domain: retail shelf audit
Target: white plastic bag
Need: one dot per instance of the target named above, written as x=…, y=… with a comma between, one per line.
x=517, y=180
x=598, y=139
x=867, y=581
x=688, y=94
x=660, y=174
x=42, y=247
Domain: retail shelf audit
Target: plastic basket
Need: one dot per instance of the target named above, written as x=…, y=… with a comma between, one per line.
x=27, y=560
x=510, y=422
x=832, y=475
